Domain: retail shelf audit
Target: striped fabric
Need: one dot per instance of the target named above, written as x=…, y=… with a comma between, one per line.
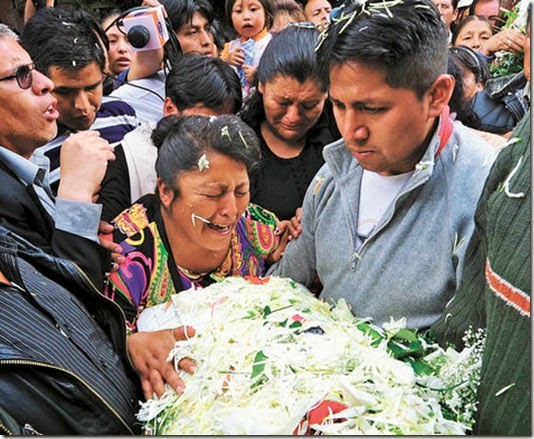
x=46, y=323
x=113, y=120
x=514, y=297
x=496, y=291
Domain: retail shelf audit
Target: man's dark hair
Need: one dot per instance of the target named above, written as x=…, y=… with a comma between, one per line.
x=196, y=79
x=68, y=40
x=180, y=12
x=407, y=41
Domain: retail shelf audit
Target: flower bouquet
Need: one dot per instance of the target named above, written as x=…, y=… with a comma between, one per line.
x=509, y=63
x=274, y=360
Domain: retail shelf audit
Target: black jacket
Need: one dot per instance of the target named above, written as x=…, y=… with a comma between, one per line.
x=501, y=105
x=37, y=389
x=22, y=212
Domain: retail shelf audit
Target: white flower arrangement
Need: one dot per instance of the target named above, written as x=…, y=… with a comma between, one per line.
x=274, y=360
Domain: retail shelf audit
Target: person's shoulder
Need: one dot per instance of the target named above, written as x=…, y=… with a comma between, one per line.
x=516, y=151
x=140, y=87
x=52, y=145
x=468, y=143
x=113, y=106
x=135, y=218
x=137, y=144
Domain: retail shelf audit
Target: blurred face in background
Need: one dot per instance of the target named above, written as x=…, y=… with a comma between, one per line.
x=281, y=20
x=196, y=36
x=474, y=34
x=120, y=52
x=318, y=12
x=447, y=11
x=489, y=9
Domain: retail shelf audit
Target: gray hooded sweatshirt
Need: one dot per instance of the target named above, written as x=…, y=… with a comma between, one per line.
x=411, y=264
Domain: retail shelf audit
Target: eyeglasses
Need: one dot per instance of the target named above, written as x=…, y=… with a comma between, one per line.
x=23, y=75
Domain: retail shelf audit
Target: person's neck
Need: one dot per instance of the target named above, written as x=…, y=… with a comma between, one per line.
x=187, y=253
x=281, y=147
x=62, y=129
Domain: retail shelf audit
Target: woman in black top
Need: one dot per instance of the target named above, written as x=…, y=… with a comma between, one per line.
x=287, y=111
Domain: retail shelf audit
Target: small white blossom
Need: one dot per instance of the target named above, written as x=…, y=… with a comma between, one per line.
x=203, y=163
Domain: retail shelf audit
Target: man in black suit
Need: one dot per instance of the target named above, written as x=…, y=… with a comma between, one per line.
x=66, y=225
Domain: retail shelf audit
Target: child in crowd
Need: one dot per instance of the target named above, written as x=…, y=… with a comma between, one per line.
x=251, y=20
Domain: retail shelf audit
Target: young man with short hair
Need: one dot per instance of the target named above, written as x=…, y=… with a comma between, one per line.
x=398, y=192
x=70, y=48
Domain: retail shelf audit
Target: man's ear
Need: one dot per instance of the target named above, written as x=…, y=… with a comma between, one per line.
x=440, y=94
x=166, y=193
x=169, y=108
x=261, y=88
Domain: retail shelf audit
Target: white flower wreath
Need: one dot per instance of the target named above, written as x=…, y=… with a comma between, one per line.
x=274, y=360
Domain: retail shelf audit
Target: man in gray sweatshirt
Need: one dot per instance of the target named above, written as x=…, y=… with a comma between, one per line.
x=386, y=220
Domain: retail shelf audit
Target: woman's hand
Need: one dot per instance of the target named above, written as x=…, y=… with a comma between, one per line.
x=296, y=228
x=509, y=40
x=149, y=351
x=105, y=236
x=287, y=231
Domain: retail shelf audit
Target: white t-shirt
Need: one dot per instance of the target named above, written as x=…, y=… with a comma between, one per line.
x=376, y=194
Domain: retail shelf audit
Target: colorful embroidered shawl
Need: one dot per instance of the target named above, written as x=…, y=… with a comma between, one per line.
x=149, y=276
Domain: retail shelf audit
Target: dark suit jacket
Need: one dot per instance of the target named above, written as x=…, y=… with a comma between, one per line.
x=22, y=212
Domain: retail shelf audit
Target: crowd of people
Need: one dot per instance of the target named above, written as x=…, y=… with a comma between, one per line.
x=372, y=151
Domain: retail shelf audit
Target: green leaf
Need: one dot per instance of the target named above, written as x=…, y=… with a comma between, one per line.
x=294, y=325
x=420, y=367
x=283, y=323
x=405, y=334
x=250, y=315
x=399, y=350
x=257, y=369
x=259, y=364
x=369, y=330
